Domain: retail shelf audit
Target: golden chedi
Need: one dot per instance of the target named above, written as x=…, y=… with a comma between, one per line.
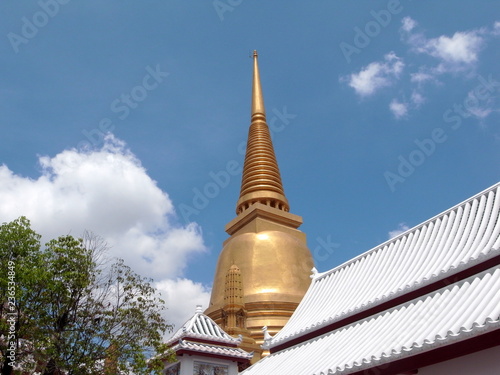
x=264, y=267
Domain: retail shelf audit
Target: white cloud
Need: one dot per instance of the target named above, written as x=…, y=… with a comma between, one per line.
x=461, y=48
x=181, y=296
x=108, y=192
x=496, y=28
x=398, y=109
x=422, y=76
x=408, y=24
x=479, y=108
x=401, y=108
x=417, y=99
x=481, y=112
x=408, y=33
x=402, y=227
x=376, y=75
x=456, y=53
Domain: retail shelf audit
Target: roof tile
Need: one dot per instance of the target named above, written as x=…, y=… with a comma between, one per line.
x=457, y=239
x=419, y=325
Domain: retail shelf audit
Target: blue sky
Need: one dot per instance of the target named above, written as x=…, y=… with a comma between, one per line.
x=384, y=114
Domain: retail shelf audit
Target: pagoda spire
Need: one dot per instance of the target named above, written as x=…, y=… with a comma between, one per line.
x=263, y=269
x=261, y=180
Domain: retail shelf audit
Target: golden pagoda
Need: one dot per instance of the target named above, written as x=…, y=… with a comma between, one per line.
x=264, y=266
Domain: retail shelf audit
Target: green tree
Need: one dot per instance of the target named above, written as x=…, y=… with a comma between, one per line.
x=81, y=314
x=19, y=263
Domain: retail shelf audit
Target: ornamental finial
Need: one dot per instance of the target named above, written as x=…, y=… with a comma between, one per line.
x=257, y=97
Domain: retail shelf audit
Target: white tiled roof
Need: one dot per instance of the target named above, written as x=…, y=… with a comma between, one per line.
x=457, y=239
x=468, y=308
x=201, y=326
x=212, y=349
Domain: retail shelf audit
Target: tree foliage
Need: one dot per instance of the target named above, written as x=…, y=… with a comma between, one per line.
x=73, y=311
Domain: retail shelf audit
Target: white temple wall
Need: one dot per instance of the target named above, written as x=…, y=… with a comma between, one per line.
x=188, y=364
x=485, y=362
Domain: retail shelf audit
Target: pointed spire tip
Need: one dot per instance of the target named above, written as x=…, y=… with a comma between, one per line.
x=257, y=98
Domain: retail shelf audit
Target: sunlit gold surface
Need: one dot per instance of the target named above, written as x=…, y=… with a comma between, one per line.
x=275, y=266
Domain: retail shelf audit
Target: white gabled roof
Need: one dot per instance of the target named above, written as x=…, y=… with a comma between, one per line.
x=452, y=314
x=202, y=327
x=457, y=239
x=211, y=349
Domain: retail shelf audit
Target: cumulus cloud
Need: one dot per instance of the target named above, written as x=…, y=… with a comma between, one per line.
x=401, y=108
x=376, y=75
x=398, y=109
x=417, y=99
x=496, y=28
x=456, y=53
x=422, y=76
x=480, y=112
x=181, y=296
x=408, y=24
x=108, y=192
x=461, y=48
x=480, y=109
x=402, y=227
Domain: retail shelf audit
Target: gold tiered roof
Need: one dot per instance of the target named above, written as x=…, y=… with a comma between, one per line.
x=261, y=181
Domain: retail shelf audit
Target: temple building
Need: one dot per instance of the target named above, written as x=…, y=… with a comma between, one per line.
x=202, y=347
x=263, y=269
x=425, y=302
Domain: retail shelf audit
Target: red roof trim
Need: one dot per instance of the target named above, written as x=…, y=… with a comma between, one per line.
x=445, y=353
x=392, y=303
x=204, y=341
x=218, y=356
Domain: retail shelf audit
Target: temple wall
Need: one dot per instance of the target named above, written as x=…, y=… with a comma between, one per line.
x=485, y=362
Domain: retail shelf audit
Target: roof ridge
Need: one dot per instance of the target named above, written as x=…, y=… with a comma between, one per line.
x=462, y=239
x=212, y=348
x=320, y=275
x=478, y=314
x=210, y=331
